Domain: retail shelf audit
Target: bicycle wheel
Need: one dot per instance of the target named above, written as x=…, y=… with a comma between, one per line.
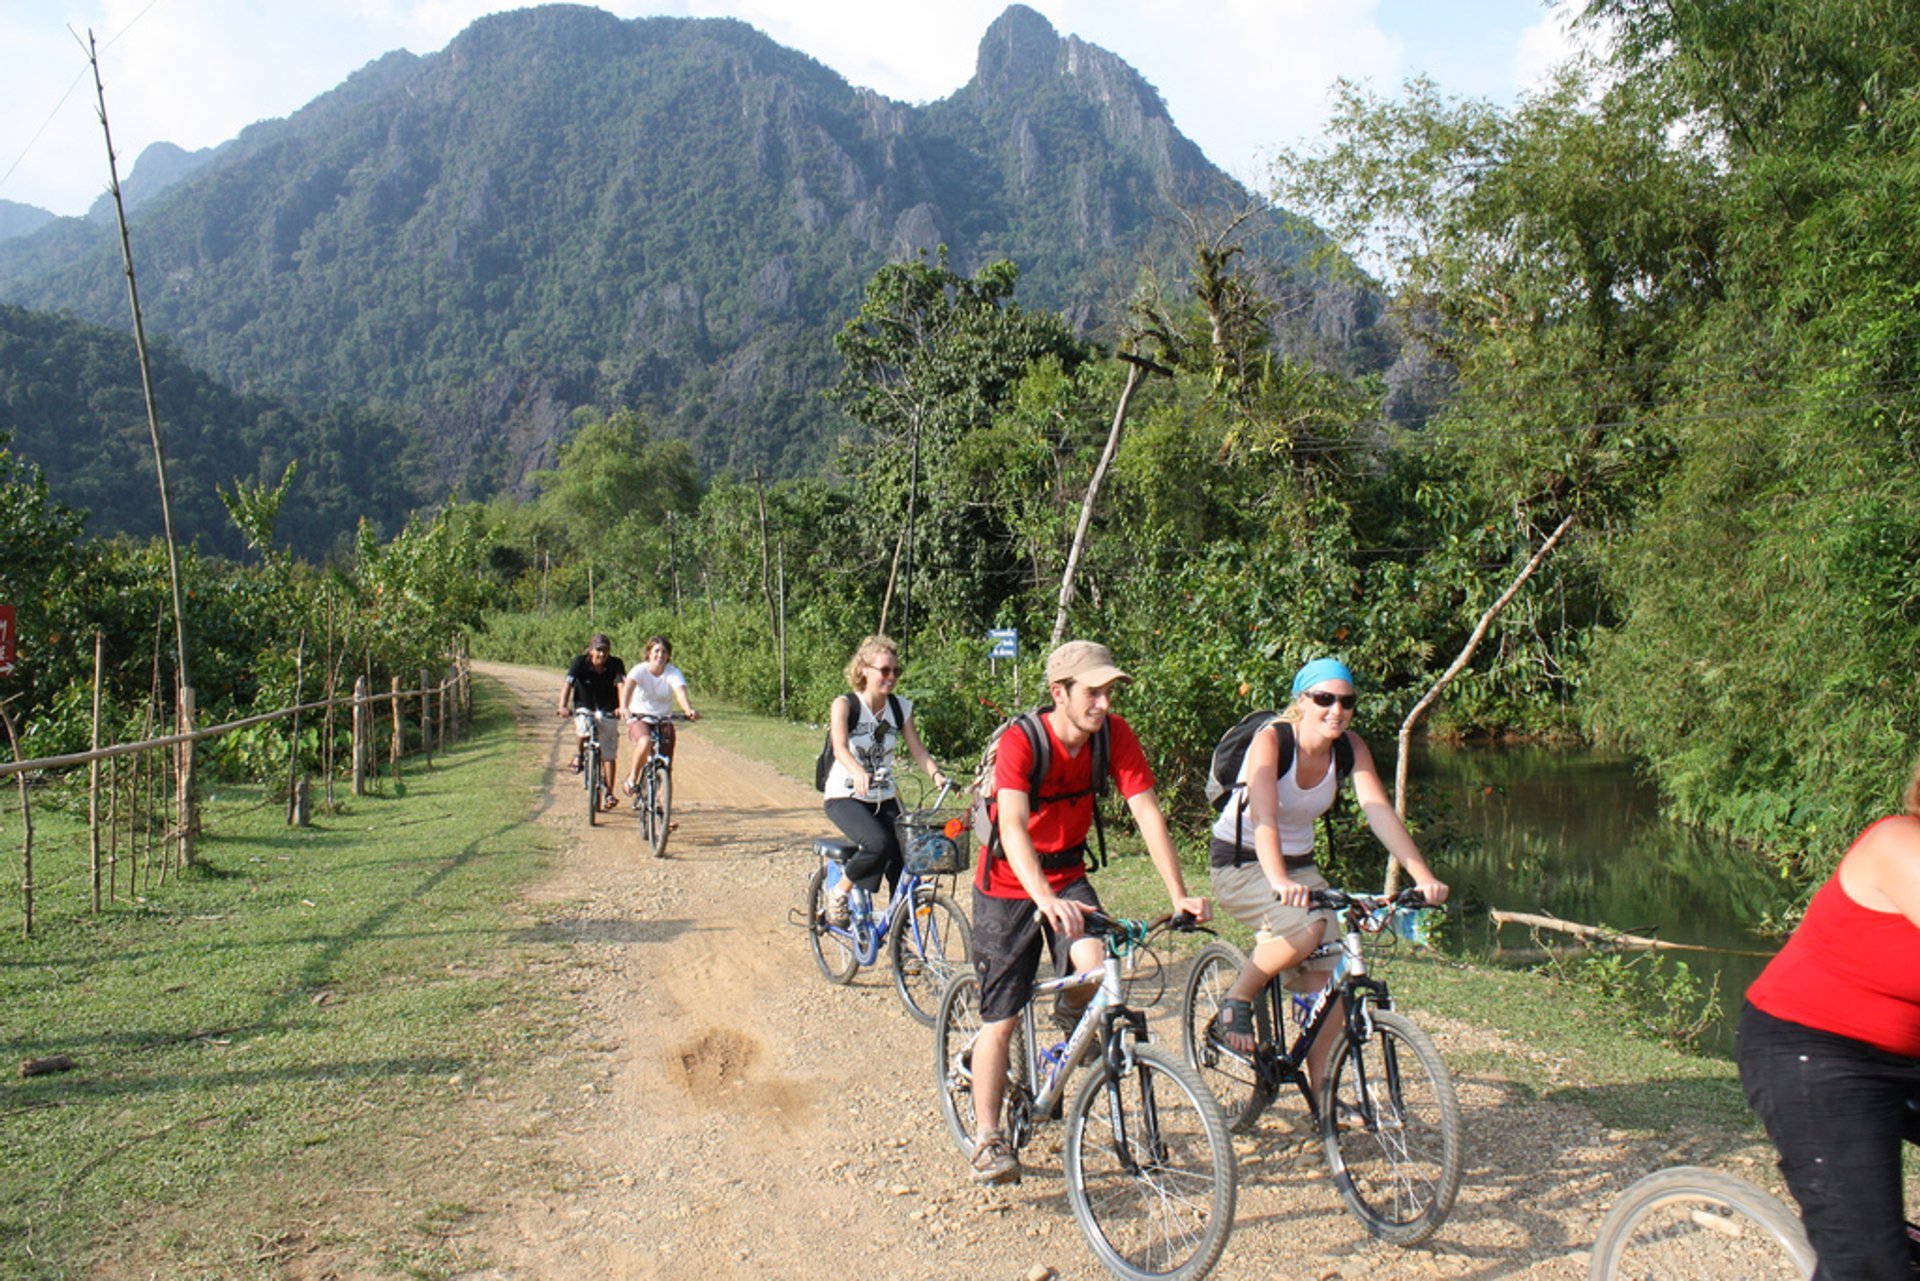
x=1230, y=1078
x=954, y=1027
x=1150, y=1169
x=1695, y=1223
x=1390, y=1124
x=929, y=942
x=593, y=784
x=832, y=949
x=659, y=804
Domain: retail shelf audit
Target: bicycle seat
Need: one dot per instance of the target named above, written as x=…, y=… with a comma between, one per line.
x=837, y=848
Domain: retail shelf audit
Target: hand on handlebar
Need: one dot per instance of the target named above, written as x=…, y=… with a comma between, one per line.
x=1292, y=893
x=1191, y=910
x=1066, y=916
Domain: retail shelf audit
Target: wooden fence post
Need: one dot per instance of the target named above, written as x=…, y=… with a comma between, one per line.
x=440, y=703
x=26, y=822
x=426, y=718
x=93, y=778
x=189, y=810
x=399, y=743
x=360, y=735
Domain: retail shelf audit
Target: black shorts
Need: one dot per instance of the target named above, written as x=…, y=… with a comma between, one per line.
x=1007, y=935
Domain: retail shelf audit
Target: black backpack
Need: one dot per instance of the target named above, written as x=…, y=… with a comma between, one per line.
x=824, y=765
x=1230, y=753
x=985, y=805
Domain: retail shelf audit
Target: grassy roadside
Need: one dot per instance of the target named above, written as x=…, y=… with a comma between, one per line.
x=270, y=1052
x=1552, y=1040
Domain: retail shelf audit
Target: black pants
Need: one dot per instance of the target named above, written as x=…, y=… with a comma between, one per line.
x=870, y=826
x=1836, y=1108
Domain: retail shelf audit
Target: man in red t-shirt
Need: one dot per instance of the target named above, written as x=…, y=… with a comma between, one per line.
x=1036, y=891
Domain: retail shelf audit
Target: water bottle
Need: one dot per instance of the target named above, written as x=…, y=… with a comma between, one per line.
x=1412, y=925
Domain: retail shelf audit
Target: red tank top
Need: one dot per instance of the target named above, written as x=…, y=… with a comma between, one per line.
x=1848, y=970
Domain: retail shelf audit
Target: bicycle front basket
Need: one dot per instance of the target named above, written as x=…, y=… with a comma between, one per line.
x=928, y=847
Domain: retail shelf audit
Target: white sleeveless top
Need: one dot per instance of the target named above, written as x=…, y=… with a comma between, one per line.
x=871, y=737
x=1298, y=808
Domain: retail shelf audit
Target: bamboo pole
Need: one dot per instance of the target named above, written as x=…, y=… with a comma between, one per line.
x=296, y=807
x=399, y=740
x=426, y=719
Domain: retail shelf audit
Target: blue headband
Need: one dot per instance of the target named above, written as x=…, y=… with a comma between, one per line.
x=1320, y=669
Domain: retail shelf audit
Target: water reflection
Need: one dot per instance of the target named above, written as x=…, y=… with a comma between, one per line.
x=1574, y=834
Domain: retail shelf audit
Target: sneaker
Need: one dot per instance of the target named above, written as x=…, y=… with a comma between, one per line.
x=836, y=910
x=994, y=1161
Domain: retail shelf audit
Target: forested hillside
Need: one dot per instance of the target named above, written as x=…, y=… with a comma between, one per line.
x=70, y=400
x=565, y=209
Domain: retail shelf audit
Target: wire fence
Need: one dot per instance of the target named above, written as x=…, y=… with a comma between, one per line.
x=143, y=814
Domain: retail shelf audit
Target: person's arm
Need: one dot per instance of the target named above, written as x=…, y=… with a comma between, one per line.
x=566, y=692
x=911, y=737
x=1386, y=825
x=837, y=730
x=627, y=685
x=680, y=697
x=1166, y=859
x=1263, y=807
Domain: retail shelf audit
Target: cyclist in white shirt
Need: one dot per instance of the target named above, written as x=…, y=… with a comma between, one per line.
x=651, y=689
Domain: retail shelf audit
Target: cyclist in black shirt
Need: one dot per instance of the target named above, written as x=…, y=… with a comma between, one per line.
x=593, y=685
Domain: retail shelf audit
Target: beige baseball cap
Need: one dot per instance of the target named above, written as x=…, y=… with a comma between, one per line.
x=1088, y=662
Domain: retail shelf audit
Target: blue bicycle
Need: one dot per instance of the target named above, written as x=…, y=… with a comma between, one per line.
x=923, y=931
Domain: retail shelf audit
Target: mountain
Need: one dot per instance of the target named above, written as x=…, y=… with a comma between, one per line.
x=17, y=219
x=565, y=208
x=71, y=400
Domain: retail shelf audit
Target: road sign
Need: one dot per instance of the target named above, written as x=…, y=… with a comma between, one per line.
x=1005, y=641
x=9, y=646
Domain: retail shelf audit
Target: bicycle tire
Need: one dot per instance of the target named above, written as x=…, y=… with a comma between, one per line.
x=832, y=952
x=1694, y=1223
x=1164, y=1209
x=928, y=943
x=1390, y=1125
x=659, y=806
x=1233, y=1082
x=954, y=1027
x=593, y=785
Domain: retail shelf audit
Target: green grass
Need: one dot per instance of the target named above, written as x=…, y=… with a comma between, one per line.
x=269, y=1049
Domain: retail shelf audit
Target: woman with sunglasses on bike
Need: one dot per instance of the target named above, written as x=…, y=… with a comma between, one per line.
x=1829, y=1049
x=864, y=727
x=1262, y=848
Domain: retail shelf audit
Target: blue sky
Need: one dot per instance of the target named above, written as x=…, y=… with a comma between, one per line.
x=1241, y=77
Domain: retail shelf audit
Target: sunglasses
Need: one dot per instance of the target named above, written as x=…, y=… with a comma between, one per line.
x=1327, y=698
x=884, y=671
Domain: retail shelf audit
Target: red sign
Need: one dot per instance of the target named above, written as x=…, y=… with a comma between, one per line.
x=9, y=646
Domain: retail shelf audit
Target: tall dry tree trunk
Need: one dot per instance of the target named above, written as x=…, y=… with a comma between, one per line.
x=1446, y=678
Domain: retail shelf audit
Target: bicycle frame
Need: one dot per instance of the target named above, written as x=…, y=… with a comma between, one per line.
x=868, y=940
x=1348, y=982
x=1106, y=1014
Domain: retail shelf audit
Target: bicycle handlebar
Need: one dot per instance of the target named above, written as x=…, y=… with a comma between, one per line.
x=1347, y=900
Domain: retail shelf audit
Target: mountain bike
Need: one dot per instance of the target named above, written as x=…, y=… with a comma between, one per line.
x=927, y=938
x=1388, y=1118
x=1149, y=1164
x=587, y=723
x=653, y=798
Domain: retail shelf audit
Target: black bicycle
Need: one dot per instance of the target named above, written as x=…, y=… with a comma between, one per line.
x=587, y=723
x=1388, y=1117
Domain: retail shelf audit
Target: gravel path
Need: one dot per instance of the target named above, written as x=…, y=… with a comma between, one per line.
x=728, y=1114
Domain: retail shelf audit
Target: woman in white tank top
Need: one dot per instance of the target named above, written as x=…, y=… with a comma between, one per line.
x=1262, y=849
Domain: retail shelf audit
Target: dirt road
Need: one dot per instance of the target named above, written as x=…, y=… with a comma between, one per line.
x=737, y=1117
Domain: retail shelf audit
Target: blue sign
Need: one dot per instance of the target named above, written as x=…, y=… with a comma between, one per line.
x=1006, y=642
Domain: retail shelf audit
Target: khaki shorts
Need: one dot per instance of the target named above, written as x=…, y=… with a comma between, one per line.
x=1244, y=894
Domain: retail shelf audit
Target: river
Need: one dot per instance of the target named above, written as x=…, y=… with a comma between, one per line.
x=1576, y=834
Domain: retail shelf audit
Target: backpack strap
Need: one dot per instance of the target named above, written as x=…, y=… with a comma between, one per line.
x=1342, y=771
x=1040, y=742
